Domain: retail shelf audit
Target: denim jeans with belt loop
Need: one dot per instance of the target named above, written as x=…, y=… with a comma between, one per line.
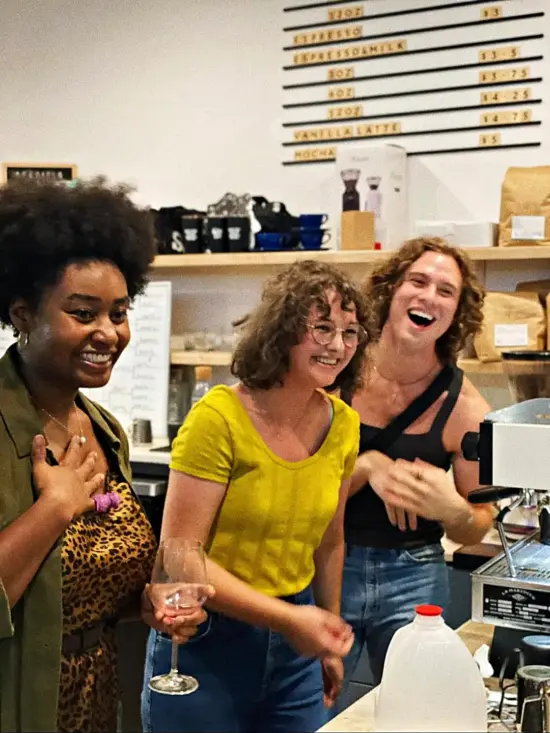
x=250, y=681
x=381, y=588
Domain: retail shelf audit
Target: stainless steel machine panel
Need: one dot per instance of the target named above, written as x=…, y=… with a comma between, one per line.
x=522, y=602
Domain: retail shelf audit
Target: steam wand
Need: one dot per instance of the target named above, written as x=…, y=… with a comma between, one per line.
x=490, y=494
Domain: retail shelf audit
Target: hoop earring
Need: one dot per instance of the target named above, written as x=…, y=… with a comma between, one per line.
x=23, y=339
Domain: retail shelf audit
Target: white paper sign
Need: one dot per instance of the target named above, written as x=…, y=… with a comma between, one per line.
x=511, y=334
x=6, y=339
x=528, y=227
x=138, y=387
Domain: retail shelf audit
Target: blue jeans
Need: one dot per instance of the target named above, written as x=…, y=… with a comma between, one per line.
x=250, y=681
x=380, y=590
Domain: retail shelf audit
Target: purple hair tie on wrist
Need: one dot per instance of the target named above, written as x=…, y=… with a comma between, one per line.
x=102, y=502
x=114, y=499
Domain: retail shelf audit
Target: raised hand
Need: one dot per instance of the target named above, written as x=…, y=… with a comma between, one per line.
x=381, y=478
x=71, y=484
x=425, y=490
x=314, y=632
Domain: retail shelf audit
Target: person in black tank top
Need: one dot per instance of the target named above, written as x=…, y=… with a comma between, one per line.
x=366, y=521
x=415, y=407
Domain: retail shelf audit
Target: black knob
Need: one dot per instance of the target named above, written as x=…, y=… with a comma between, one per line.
x=469, y=446
x=489, y=494
x=544, y=522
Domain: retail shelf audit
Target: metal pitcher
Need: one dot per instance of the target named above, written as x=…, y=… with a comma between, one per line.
x=533, y=684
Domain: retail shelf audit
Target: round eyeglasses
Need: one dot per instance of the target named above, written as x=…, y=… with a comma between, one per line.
x=324, y=333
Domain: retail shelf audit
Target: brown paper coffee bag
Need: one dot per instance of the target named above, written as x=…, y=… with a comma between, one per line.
x=540, y=287
x=511, y=322
x=525, y=207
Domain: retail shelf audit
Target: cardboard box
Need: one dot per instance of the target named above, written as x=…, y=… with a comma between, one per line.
x=374, y=179
x=460, y=233
x=357, y=230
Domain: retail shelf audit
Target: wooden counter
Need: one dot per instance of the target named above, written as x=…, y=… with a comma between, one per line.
x=359, y=717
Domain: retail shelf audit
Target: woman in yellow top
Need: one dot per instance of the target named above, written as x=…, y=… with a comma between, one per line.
x=260, y=473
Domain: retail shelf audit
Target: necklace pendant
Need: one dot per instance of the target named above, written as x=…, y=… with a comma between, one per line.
x=82, y=440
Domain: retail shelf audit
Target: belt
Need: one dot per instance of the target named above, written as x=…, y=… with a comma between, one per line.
x=84, y=639
x=403, y=545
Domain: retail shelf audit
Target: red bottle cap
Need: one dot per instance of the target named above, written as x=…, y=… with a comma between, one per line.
x=427, y=610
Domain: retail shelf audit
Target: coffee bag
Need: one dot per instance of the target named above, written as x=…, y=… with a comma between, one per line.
x=511, y=322
x=525, y=207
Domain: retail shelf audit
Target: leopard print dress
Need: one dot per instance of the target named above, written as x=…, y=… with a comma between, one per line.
x=106, y=558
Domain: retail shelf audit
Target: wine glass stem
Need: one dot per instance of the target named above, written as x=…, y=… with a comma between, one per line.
x=174, y=661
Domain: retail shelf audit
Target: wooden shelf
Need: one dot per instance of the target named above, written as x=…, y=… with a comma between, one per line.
x=335, y=257
x=263, y=259
x=200, y=358
x=180, y=357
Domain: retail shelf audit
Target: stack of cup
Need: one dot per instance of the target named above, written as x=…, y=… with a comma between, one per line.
x=312, y=234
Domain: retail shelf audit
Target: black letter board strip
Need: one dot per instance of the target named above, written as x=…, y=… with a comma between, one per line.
x=415, y=92
x=475, y=44
x=428, y=152
x=408, y=113
x=339, y=141
x=316, y=5
x=392, y=14
x=318, y=140
x=414, y=31
x=414, y=72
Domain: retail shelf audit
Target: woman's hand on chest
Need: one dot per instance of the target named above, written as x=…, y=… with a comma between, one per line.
x=69, y=485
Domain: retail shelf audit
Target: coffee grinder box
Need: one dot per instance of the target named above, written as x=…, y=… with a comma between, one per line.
x=375, y=179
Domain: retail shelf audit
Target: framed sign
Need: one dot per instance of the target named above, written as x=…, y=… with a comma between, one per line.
x=44, y=171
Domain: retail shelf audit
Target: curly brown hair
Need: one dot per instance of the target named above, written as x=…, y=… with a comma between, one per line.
x=262, y=356
x=386, y=278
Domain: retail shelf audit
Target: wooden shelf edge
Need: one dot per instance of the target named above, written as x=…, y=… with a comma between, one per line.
x=336, y=257
x=179, y=357
x=265, y=259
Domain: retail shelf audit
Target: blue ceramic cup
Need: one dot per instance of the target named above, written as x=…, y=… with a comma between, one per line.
x=271, y=241
x=312, y=221
x=313, y=238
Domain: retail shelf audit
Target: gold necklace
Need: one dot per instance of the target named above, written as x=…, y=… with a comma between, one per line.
x=407, y=384
x=82, y=438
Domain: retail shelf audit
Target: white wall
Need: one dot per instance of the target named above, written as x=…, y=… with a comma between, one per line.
x=184, y=99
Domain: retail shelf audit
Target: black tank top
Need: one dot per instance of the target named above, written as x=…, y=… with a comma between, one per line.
x=366, y=522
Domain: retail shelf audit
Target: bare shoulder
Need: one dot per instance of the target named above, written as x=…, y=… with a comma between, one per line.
x=471, y=404
x=470, y=410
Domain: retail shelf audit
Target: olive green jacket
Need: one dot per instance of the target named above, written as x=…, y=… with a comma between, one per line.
x=31, y=632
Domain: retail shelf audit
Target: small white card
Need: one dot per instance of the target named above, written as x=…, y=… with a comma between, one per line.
x=528, y=227
x=6, y=339
x=511, y=334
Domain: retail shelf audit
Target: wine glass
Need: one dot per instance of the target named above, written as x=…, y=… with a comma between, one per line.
x=178, y=582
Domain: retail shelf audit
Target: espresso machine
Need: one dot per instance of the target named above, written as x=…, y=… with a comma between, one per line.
x=513, y=449
x=512, y=591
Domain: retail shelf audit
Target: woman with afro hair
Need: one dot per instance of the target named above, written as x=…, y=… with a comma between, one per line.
x=75, y=545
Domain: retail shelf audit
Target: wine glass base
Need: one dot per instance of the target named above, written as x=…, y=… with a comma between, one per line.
x=173, y=684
